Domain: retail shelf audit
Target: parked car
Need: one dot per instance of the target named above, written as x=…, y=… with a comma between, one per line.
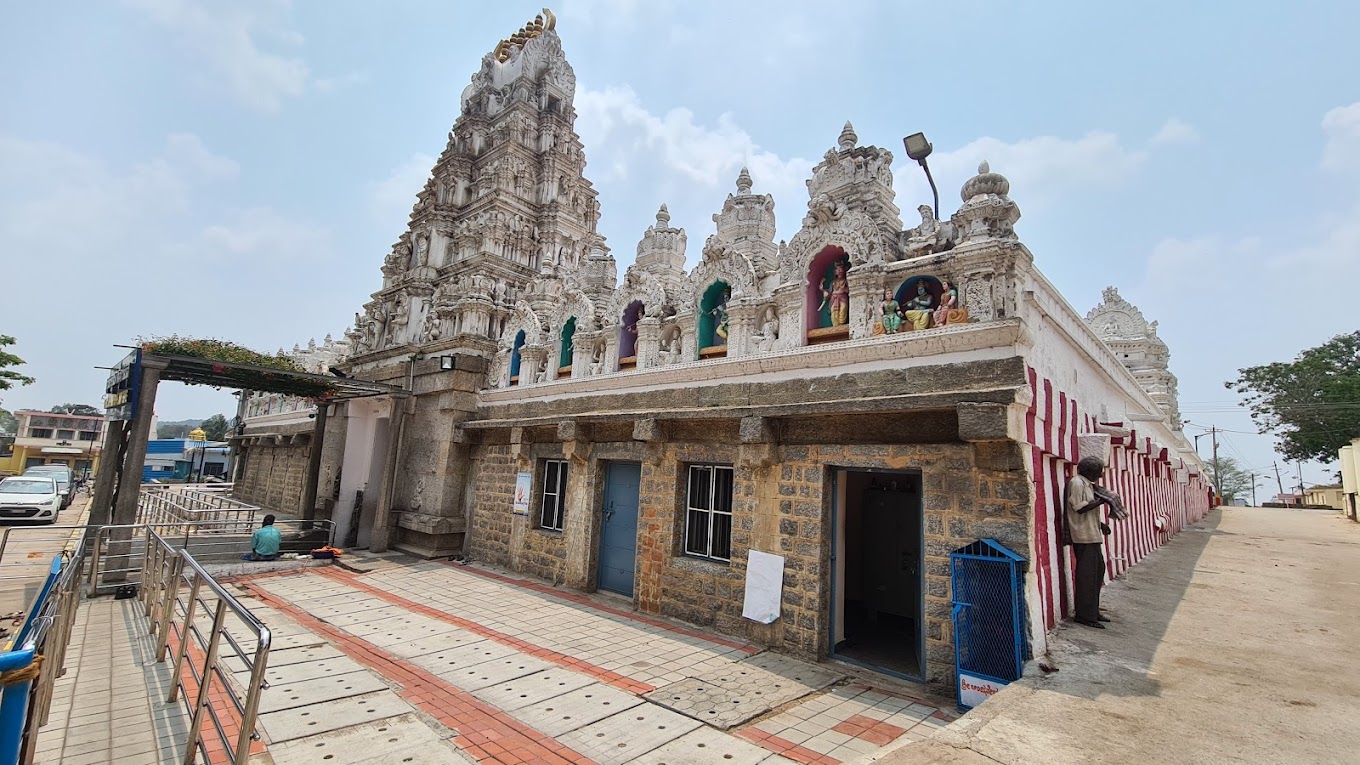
x=33, y=497
x=59, y=473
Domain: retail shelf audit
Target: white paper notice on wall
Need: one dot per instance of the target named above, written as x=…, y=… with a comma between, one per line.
x=764, y=587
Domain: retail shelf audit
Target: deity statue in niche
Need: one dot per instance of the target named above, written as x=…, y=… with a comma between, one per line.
x=837, y=293
x=892, y=318
x=670, y=347
x=719, y=312
x=597, y=359
x=949, y=301
x=918, y=309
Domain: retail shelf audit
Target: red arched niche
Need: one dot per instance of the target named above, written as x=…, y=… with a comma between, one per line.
x=815, y=314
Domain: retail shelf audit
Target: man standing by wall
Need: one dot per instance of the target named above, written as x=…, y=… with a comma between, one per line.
x=1085, y=529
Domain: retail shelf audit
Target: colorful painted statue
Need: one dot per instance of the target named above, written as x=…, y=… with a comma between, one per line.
x=720, y=316
x=838, y=295
x=917, y=310
x=892, y=319
x=949, y=300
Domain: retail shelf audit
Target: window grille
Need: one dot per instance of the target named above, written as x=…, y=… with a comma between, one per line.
x=554, y=484
x=708, y=513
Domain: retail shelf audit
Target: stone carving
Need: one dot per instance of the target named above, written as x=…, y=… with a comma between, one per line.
x=768, y=334
x=671, y=346
x=1134, y=340
x=597, y=358
x=948, y=310
x=422, y=250
x=396, y=324
x=987, y=213
x=929, y=236
x=852, y=231
x=429, y=328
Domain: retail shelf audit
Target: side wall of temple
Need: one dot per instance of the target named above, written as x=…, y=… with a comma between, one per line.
x=274, y=468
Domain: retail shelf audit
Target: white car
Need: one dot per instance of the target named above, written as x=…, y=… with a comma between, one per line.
x=29, y=497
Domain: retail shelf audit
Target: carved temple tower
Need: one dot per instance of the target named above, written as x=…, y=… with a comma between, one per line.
x=1134, y=340
x=506, y=203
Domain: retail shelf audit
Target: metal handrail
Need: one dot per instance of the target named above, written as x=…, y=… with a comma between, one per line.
x=165, y=571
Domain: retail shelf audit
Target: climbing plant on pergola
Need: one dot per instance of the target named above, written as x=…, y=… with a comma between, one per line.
x=130, y=399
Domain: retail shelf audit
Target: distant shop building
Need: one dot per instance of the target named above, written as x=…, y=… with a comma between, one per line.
x=48, y=438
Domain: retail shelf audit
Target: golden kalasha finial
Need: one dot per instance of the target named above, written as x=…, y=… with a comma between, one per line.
x=543, y=22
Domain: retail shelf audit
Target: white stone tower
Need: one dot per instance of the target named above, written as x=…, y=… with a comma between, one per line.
x=1134, y=340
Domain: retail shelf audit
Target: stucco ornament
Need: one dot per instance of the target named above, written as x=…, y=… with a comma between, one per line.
x=853, y=232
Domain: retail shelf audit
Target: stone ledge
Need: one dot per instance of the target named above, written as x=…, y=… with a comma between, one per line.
x=430, y=524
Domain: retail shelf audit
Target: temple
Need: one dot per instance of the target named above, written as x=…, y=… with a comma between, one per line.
x=859, y=401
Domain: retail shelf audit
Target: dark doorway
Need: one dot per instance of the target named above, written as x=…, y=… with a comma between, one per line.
x=877, y=579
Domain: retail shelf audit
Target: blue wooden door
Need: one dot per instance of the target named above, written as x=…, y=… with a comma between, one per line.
x=618, y=532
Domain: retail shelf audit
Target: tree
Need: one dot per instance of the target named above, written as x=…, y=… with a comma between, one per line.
x=174, y=429
x=76, y=409
x=9, y=424
x=1312, y=403
x=1234, y=481
x=8, y=377
x=216, y=427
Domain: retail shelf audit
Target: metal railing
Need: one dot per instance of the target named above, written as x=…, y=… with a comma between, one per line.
x=46, y=630
x=194, y=503
x=166, y=571
x=115, y=550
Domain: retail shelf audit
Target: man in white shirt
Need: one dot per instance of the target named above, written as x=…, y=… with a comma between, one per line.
x=1086, y=532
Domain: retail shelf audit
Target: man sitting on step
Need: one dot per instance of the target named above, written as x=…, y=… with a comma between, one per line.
x=264, y=543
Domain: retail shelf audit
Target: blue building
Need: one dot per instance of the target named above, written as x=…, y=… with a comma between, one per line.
x=175, y=459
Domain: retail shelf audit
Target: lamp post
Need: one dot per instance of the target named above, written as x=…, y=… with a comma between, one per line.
x=918, y=148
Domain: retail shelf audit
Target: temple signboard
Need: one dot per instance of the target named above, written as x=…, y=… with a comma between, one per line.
x=120, y=392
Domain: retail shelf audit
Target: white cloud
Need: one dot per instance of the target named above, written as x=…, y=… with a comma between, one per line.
x=1342, y=128
x=1175, y=132
x=261, y=234
x=340, y=82
x=224, y=36
x=1040, y=169
x=393, y=197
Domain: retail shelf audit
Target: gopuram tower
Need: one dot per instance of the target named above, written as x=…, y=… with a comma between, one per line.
x=506, y=201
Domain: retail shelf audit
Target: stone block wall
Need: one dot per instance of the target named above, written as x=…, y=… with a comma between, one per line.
x=782, y=504
x=274, y=474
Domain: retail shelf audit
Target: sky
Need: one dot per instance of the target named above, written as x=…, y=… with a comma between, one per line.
x=239, y=168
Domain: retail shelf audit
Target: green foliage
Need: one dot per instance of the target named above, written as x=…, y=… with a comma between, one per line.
x=1312, y=403
x=1233, y=482
x=8, y=377
x=231, y=353
x=216, y=350
x=84, y=409
x=9, y=424
x=215, y=427
x=175, y=429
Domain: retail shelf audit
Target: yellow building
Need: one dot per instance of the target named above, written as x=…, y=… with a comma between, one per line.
x=46, y=438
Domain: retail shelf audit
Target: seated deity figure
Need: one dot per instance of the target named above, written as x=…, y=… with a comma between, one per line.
x=918, y=308
x=838, y=296
x=892, y=316
x=670, y=348
x=769, y=330
x=949, y=301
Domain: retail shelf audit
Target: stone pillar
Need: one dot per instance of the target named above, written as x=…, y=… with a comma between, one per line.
x=531, y=361
x=759, y=453
x=741, y=324
x=381, y=536
x=314, y=446
x=866, y=284
x=648, y=341
x=115, y=436
x=788, y=299
x=125, y=505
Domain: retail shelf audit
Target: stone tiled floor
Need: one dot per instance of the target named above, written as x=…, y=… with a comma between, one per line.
x=420, y=663
x=521, y=673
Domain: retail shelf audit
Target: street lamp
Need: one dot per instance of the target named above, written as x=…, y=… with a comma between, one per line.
x=918, y=148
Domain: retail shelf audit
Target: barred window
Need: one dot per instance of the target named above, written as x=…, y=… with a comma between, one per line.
x=708, y=513
x=554, y=494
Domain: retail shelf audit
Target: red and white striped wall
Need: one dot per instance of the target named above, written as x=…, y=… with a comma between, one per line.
x=1161, y=494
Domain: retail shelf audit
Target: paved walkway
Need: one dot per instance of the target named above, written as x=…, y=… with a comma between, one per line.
x=110, y=706
x=1236, y=643
x=495, y=669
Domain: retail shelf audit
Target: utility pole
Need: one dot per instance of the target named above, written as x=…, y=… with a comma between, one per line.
x=1253, y=489
x=1218, y=475
x=1298, y=465
x=1278, y=483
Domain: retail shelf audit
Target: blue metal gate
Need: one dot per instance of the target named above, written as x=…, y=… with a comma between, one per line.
x=989, y=612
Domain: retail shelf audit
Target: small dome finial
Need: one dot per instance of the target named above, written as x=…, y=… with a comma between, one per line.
x=663, y=216
x=744, y=181
x=848, y=138
x=985, y=182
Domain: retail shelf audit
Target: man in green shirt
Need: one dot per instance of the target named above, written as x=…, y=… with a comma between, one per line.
x=264, y=543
